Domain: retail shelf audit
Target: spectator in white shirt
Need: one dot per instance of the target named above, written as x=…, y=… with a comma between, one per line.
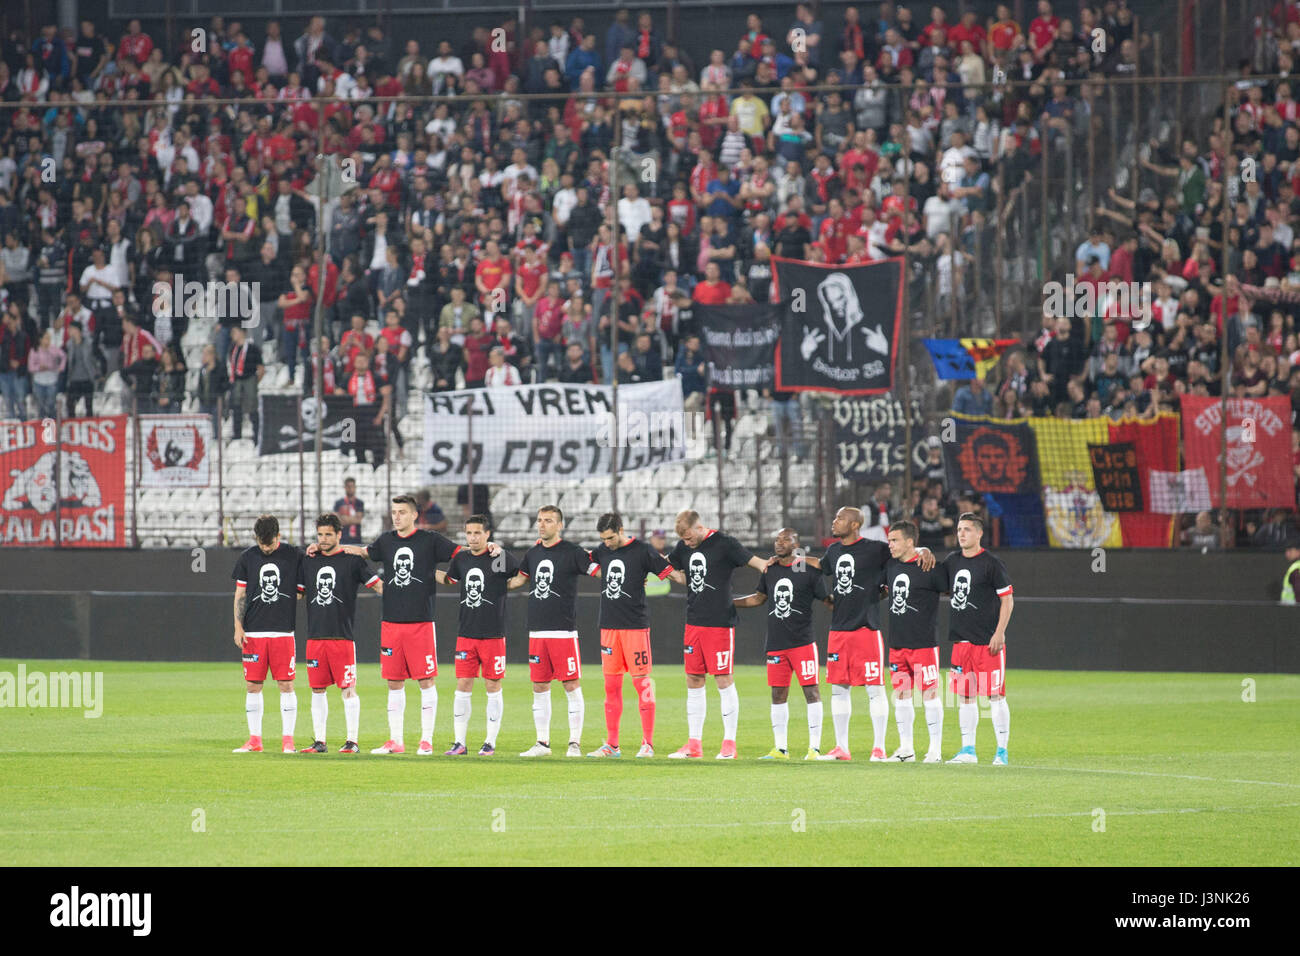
x=500, y=373
x=633, y=210
x=200, y=206
x=444, y=67
x=98, y=281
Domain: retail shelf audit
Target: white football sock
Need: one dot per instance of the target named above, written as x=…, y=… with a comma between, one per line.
x=320, y=711
x=815, y=714
x=542, y=715
x=878, y=705
x=428, y=712
x=352, y=716
x=288, y=713
x=253, y=711
x=934, y=721
x=495, y=705
x=460, y=711
x=1001, y=715
x=841, y=711
x=696, y=707
x=904, y=715
x=396, y=714
x=781, y=725
x=577, y=710
x=968, y=718
x=730, y=711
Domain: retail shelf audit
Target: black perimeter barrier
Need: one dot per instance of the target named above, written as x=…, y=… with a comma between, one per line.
x=1148, y=611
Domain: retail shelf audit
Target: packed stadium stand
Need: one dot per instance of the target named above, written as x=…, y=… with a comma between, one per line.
x=991, y=149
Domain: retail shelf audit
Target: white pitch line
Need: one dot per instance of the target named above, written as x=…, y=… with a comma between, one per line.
x=1152, y=773
x=736, y=824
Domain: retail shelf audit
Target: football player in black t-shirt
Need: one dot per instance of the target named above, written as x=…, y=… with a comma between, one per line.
x=408, y=643
x=481, y=636
x=623, y=562
x=913, y=639
x=704, y=560
x=554, y=566
x=264, y=623
x=329, y=580
x=980, y=606
x=854, y=568
x=794, y=582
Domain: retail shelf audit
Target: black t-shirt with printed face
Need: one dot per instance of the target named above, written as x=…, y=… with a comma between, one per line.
x=977, y=585
x=790, y=596
x=409, y=563
x=914, y=603
x=553, y=573
x=708, y=577
x=482, y=579
x=854, y=574
x=271, y=586
x=623, y=571
x=329, y=583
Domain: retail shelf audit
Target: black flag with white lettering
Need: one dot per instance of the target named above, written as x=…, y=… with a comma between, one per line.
x=839, y=325
x=739, y=343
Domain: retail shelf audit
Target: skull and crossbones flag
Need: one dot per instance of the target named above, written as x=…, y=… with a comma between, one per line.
x=1258, y=440
x=839, y=325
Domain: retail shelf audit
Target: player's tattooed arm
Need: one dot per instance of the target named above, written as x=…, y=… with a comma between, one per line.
x=925, y=557
x=241, y=602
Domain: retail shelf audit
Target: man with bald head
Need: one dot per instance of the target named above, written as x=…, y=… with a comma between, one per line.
x=855, y=651
x=704, y=560
x=793, y=582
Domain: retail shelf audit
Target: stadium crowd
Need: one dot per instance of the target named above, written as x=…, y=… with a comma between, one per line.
x=476, y=249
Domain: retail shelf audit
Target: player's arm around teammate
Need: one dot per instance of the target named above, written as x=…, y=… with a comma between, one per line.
x=794, y=583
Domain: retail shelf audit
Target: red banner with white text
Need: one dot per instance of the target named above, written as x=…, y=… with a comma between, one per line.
x=1259, y=472
x=85, y=507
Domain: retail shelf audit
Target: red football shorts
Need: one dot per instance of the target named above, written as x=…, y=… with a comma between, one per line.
x=910, y=666
x=625, y=651
x=709, y=650
x=408, y=650
x=855, y=658
x=977, y=673
x=799, y=661
x=481, y=655
x=331, y=662
x=275, y=651
x=553, y=656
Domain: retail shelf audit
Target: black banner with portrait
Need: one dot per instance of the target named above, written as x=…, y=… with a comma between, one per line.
x=839, y=325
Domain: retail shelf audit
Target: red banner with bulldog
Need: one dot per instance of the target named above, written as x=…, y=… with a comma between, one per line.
x=1259, y=448
x=85, y=508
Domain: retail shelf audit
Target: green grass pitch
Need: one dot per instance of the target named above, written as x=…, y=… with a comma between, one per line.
x=1184, y=770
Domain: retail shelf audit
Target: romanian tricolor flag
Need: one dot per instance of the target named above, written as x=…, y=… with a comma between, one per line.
x=1075, y=517
x=966, y=358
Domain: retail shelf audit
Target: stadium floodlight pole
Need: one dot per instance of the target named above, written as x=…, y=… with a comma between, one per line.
x=612, y=298
x=1224, y=357
x=905, y=385
x=318, y=323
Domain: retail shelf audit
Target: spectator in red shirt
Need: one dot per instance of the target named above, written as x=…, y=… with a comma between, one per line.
x=478, y=345
x=493, y=272
x=712, y=291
